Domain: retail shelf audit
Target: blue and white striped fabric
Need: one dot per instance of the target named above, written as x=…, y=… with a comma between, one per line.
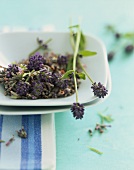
x=36, y=152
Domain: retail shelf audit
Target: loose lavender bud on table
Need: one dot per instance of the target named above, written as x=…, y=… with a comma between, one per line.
x=90, y=132
x=129, y=48
x=97, y=127
x=101, y=127
x=110, y=55
x=78, y=110
x=117, y=35
x=99, y=90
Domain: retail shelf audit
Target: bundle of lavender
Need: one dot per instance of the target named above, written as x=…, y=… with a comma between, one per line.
x=50, y=75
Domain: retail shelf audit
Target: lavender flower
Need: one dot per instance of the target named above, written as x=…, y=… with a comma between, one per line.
x=129, y=48
x=110, y=55
x=45, y=76
x=62, y=60
x=35, y=62
x=22, y=88
x=12, y=68
x=78, y=110
x=44, y=46
x=22, y=133
x=37, y=88
x=99, y=90
x=39, y=41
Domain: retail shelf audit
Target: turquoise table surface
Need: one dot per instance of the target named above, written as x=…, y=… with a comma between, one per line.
x=72, y=138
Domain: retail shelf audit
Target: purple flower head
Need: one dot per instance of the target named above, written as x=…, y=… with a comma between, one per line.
x=12, y=68
x=44, y=46
x=62, y=83
x=36, y=62
x=62, y=60
x=78, y=110
x=99, y=90
x=57, y=81
x=37, y=88
x=39, y=41
x=45, y=76
x=22, y=88
x=129, y=48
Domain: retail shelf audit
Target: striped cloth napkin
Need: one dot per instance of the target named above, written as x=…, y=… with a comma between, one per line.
x=37, y=151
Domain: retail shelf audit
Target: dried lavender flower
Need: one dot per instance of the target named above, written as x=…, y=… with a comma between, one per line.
x=44, y=46
x=117, y=35
x=22, y=133
x=36, y=62
x=78, y=110
x=101, y=127
x=37, y=88
x=10, y=141
x=12, y=69
x=99, y=90
x=22, y=88
x=129, y=48
x=39, y=41
x=62, y=60
x=90, y=132
x=110, y=55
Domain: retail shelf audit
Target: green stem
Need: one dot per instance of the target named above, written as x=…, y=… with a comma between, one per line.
x=74, y=61
x=50, y=39
x=71, y=39
x=35, y=51
x=71, y=35
x=85, y=71
x=38, y=48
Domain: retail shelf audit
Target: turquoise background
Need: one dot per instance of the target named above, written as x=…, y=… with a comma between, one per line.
x=117, y=144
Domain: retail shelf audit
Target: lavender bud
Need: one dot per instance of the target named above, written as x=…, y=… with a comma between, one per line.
x=62, y=60
x=129, y=48
x=36, y=62
x=78, y=110
x=110, y=55
x=99, y=90
x=12, y=69
x=22, y=88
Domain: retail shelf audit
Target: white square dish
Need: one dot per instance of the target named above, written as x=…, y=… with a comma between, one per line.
x=21, y=110
x=17, y=46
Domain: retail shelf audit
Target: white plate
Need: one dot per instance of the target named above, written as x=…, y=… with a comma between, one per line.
x=8, y=110
x=16, y=46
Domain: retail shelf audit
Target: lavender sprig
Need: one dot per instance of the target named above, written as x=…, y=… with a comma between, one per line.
x=78, y=42
x=99, y=89
x=77, y=108
x=41, y=45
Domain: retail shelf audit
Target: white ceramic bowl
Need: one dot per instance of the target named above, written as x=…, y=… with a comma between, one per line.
x=17, y=46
